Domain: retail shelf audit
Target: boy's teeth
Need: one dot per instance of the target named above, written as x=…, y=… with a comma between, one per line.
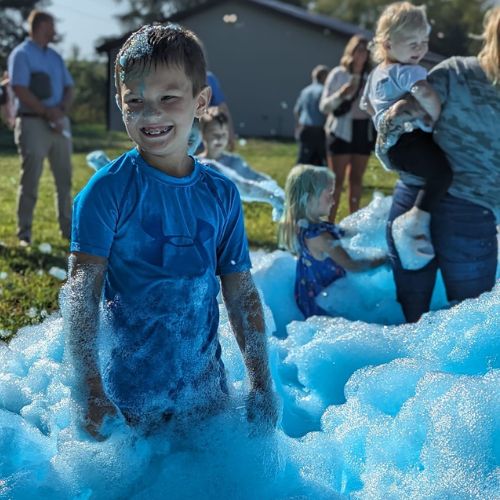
x=155, y=131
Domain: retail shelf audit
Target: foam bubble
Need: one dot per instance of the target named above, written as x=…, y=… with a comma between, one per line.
x=370, y=410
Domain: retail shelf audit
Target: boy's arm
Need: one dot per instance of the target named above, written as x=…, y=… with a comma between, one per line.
x=84, y=288
x=247, y=321
x=427, y=97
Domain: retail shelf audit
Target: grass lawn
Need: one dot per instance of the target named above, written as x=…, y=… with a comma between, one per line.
x=28, y=292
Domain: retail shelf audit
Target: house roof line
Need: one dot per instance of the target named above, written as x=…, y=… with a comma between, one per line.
x=320, y=20
x=280, y=7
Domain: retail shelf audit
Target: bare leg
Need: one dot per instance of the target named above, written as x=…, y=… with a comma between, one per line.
x=337, y=164
x=356, y=173
x=400, y=118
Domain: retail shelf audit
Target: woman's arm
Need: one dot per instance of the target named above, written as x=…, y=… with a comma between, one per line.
x=427, y=97
x=338, y=86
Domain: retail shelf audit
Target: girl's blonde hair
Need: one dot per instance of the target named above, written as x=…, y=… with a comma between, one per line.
x=398, y=18
x=303, y=184
x=347, y=57
x=489, y=57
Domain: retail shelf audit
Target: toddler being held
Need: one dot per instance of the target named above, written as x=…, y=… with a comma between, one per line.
x=400, y=43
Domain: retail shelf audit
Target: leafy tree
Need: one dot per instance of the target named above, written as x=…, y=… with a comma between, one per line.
x=453, y=21
x=13, y=14
x=89, y=105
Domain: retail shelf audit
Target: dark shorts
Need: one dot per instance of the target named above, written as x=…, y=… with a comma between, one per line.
x=312, y=146
x=361, y=144
x=465, y=242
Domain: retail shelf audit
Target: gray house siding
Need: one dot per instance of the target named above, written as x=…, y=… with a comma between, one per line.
x=114, y=116
x=262, y=60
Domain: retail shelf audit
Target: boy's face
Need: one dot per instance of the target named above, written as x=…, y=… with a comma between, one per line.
x=409, y=48
x=215, y=139
x=158, y=110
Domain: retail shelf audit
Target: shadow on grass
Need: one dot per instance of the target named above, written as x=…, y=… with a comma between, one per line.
x=23, y=260
x=86, y=137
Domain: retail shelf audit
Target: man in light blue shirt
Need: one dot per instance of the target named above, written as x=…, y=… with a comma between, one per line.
x=44, y=90
x=310, y=121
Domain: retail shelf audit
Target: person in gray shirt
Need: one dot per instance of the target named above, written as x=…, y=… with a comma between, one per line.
x=310, y=121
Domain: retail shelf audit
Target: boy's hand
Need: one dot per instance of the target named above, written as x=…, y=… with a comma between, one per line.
x=97, y=409
x=262, y=410
x=380, y=261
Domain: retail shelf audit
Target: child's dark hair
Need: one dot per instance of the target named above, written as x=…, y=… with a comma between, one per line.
x=169, y=44
x=319, y=73
x=213, y=115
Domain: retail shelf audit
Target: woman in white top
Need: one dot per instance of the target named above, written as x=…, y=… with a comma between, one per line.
x=350, y=134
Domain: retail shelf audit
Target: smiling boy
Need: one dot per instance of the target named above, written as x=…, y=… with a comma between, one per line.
x=151, y=233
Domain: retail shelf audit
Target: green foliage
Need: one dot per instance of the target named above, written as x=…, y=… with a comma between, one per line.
x=28, y=292
x=452, y=20
x=91, y=79
x=13, y=13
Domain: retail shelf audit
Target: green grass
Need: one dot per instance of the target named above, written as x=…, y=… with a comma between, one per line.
x=28, y=292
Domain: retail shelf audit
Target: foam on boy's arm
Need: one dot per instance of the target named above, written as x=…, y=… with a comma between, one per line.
x=247, y=321
x=80, y=305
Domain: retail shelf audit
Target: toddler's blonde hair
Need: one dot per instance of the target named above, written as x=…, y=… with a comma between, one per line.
x=303, y=184
x=397, y=19
x=489, y=57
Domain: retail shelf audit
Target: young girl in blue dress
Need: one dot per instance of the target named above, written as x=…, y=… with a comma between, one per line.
x=305, y=232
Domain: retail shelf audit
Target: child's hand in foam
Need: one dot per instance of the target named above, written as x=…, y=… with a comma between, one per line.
x=262, y=410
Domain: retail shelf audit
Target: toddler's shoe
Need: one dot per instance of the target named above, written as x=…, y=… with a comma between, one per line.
x=412, y=239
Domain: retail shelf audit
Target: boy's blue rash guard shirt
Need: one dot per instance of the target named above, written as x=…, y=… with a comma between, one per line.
x=165, y=239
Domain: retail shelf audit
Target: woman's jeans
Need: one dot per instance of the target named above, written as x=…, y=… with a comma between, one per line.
x=465, y=243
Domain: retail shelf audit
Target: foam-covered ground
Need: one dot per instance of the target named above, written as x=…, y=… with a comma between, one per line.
x=371, y=408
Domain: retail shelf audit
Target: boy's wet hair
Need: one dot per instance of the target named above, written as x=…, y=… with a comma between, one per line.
x=211, y=116
x=168, y=44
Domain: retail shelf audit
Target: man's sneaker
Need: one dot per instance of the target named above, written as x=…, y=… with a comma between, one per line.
x=24, y=243
x=412, y=239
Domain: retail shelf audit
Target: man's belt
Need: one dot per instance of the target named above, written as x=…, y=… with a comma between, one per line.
x=31, y=115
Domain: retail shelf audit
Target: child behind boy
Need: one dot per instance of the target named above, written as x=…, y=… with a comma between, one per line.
x=151, y=232
x=401, y=41
x=252, y=185
x=305, y=232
